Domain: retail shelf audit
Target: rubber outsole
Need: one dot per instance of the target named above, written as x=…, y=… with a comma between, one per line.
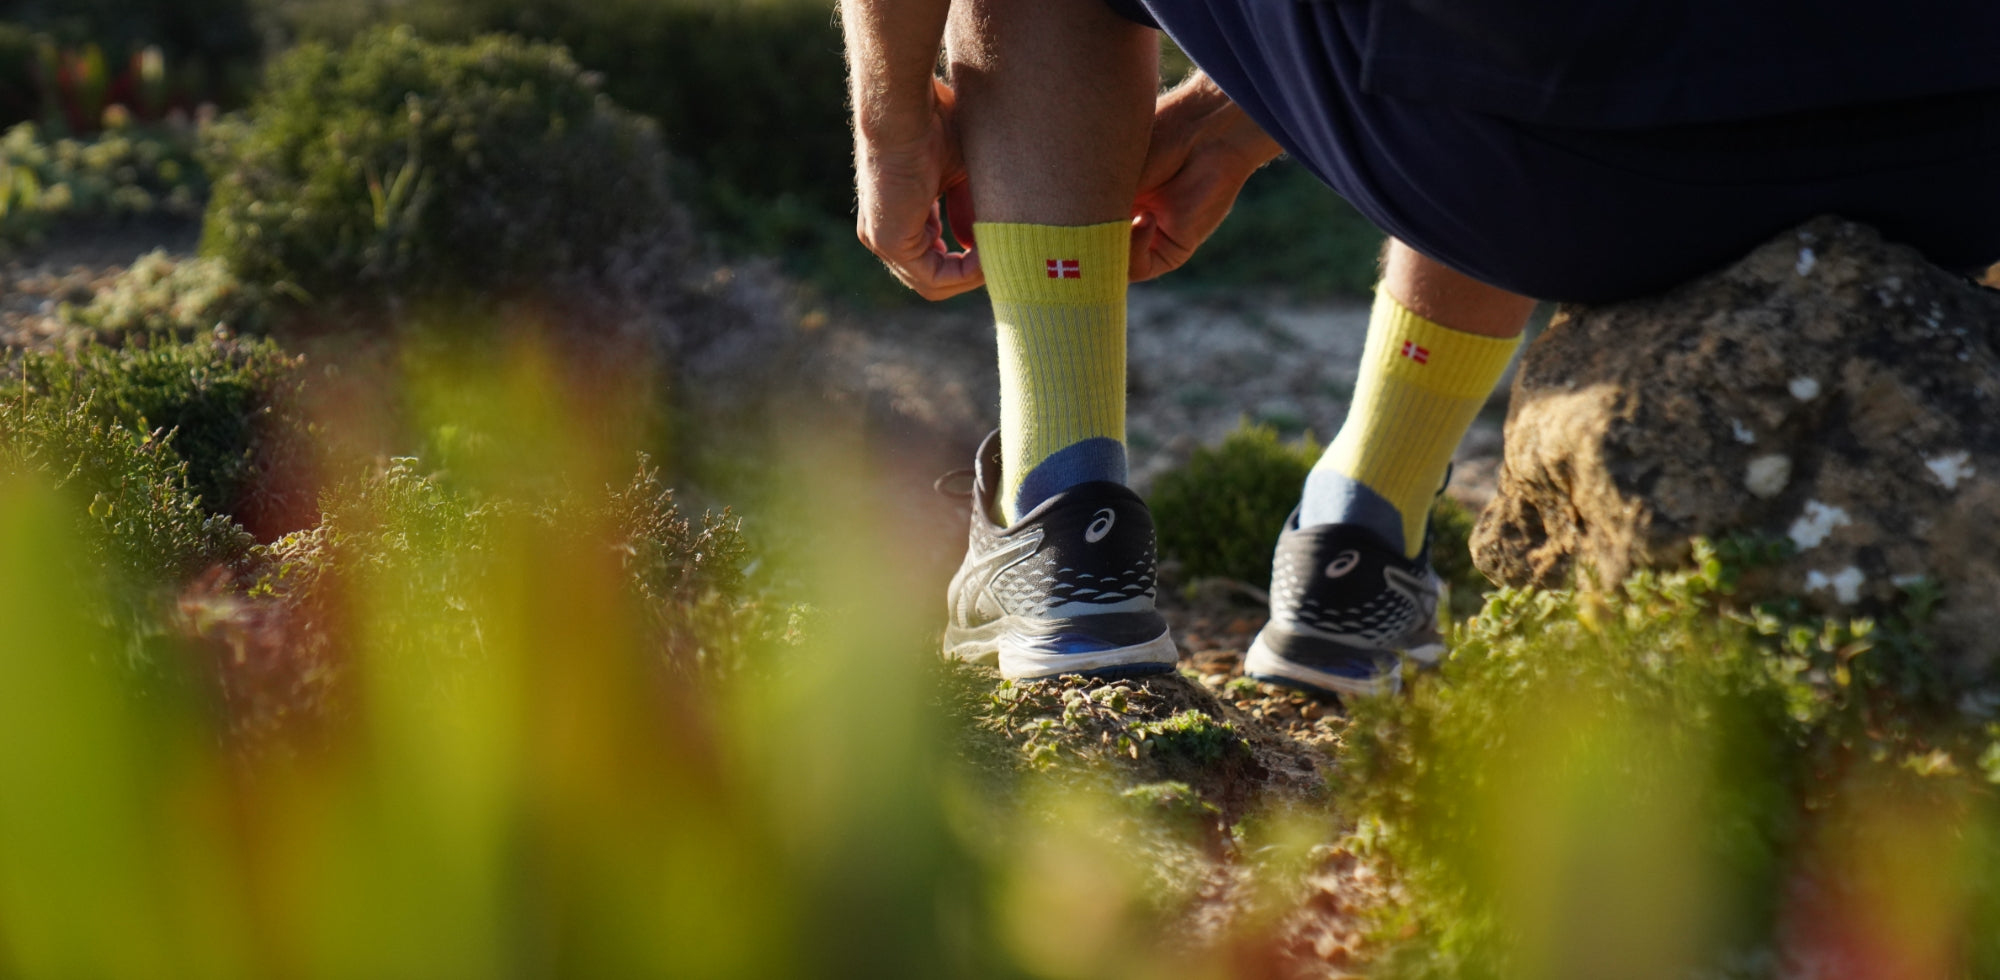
x=1264, y=664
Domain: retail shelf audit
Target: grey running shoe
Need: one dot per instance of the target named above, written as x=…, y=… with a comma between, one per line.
x=1067, y=589
x=1345, y=608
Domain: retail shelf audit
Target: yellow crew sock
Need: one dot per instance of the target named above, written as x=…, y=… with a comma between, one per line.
x=1421, y=385
x=1059, y=309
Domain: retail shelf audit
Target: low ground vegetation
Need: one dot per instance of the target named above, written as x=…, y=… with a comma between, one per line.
x=402, y=636
x=1220, y=512
x=1704, y=757
x=122, y=175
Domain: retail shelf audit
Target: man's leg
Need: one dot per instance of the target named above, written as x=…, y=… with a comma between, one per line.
x=1349, y=592
x=1437, y=343
x=1055, y=103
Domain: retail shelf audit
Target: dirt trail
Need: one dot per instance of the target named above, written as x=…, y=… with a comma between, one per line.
x=1208, y=745
x=72, y=268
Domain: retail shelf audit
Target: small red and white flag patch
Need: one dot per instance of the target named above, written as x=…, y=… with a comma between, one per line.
x=1421, y=355
x=1065, y=269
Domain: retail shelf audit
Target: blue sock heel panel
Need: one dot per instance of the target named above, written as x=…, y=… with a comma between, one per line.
x=1082, y=462
x=1331, y=498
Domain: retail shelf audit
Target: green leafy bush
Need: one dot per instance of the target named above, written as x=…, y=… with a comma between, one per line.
x=144, y=530
x=161, y=294
x=1655, y=750
x=214, y=403
x=411, y=167
x=688, y=575
x=149, y=522
x=721, y=79
x=423, y=550
x=1451, y=556
x=116, y=175
x=1220, y=513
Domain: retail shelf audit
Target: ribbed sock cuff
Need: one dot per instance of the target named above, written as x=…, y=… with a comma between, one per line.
x=1421, y=386
x=1407, y=348
x=1054, y=265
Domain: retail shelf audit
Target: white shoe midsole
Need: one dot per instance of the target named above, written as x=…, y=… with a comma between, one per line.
x=1018, y=661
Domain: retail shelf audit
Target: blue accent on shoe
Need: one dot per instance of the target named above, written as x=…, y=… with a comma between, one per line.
x=1100, y=458
x=1333, y=498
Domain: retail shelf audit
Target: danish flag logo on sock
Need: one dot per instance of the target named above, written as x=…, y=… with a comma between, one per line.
x=1065, y=269
x=1421, y=355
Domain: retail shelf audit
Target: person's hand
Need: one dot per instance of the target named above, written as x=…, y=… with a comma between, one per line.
x=900, y=173
x=1202, y=150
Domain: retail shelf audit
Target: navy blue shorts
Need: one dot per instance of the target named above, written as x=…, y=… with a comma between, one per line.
x=1585, y=213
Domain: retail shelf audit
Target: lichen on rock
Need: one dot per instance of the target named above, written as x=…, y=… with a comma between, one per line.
x=1876, y=377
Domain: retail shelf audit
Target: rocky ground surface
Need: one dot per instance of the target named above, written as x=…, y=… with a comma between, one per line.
x=1830, y=391
x=35, y=283
x=1210, y=748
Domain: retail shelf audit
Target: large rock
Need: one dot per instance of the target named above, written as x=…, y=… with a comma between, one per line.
x=1829, y=388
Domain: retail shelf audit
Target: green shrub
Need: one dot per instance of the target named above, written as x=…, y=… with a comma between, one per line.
x=421, y=168
x=1654, y=750
x=149, y=521
x=1220, y=513
x=722, y=79
x=1451, y=556
x=143, y=526
x=423, y=550
x=215, y=403
x=118, y=174
x=161, y=294
x=688, y=575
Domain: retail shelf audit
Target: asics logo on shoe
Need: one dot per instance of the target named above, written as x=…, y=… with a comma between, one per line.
x=1343, y=563
x=1101, y=526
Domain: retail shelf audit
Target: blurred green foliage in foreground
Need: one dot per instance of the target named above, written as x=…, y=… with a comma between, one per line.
x=406, y=661
x=505, y=710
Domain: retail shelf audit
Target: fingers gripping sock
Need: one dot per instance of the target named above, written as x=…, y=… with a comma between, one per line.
x=1421, y=385
x=1059, y=310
